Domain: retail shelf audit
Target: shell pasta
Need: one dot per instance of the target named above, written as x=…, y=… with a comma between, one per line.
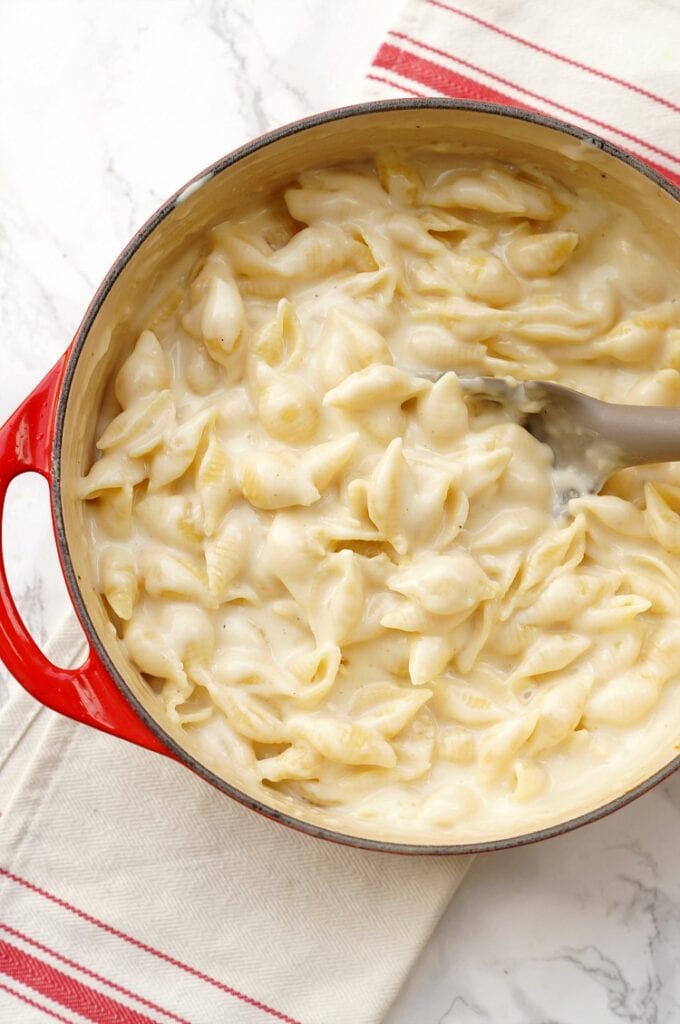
x=343, y=580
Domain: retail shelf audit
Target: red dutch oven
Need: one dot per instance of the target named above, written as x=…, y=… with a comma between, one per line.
x=52, y=432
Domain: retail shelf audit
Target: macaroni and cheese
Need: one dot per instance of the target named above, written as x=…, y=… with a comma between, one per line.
x=341, y=579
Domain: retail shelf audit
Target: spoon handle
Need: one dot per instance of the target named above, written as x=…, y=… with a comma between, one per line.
x=641, y=433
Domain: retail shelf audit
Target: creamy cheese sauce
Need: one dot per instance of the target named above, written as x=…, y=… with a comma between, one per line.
x=341, y=579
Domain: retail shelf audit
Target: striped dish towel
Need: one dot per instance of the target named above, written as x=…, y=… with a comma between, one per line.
x=608, y=66
x=132, y=892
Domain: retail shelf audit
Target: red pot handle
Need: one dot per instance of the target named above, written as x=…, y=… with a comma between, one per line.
x=87, y=693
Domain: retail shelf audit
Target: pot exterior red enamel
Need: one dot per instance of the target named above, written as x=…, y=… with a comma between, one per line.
x=86, y=693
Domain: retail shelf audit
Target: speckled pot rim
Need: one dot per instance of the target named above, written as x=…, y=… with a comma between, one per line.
x=79, y=341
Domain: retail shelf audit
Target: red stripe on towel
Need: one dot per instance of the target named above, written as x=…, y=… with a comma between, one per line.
x=534, y=95
x=66, y=990
x=395, y=85
x=193, y=971
x=36, y=1006
x=92, y=974
x=557, y=56
x=447, y=82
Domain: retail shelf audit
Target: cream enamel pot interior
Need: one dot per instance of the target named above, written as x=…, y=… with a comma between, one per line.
x=53, y=431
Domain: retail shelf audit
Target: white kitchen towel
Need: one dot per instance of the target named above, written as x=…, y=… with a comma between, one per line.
x=609, y=66
x=133, y=892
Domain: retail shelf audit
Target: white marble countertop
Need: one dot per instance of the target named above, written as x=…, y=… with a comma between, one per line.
x=105, y=109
